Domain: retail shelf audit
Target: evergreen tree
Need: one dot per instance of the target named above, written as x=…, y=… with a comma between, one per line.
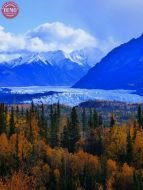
x=129, y=148
x=29, y=122
x=139, y=117
x=103, y=172
x=51, y=125
x=95, y=119
x=17, y=110
x=6, y=112
x=58, y=110
x=91, y=121
x=43, y=122
x=46, y=135
x=12, y=123
x=112, y=121
x=84, y=122
x=100, y=120
x=17, y=113
x=135, y=131
x=74, y=130
x=32, y=108
x=54, y=135
x=65, y=137
x=22, y=111
x=2, y=119
x=27, y=116
x=137, y=181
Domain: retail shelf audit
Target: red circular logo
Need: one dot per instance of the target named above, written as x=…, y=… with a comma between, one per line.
x=10, y=9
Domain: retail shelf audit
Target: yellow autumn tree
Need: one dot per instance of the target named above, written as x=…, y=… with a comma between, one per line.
x=116, y=142
x=126, y=177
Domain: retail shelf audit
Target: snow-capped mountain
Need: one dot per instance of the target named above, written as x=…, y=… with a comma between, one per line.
x=88, y=55
x=122, y=68
x=50, y=68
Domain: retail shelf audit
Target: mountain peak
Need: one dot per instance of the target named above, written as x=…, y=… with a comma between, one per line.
x=122, y=68
x=37, y=58
x=44, y=68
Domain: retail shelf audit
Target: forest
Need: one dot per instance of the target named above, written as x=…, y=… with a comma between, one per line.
x=49, y=148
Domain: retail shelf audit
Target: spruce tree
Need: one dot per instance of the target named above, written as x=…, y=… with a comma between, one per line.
x=112, y=121
x=6, y=112
x=17, y=113
x=2, y=119
x=46, y=135
x=129, y=148
x=42, y=122
x=51, y=125
x=84, y=120
x=32, y=109
x=22, y=111
x=65, y=137
x=95, y=119
x=12, y=123
x=100, y=120
x=54, y=128
x=58, y=110
x=17, y=110
x=139, y=117
x=74, y=130
x=137, y=182
x=90, y=121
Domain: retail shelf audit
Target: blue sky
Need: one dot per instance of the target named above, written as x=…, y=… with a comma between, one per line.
x=120, y=19
x=111, y=22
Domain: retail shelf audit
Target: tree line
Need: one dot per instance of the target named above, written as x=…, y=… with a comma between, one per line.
x=49, y=149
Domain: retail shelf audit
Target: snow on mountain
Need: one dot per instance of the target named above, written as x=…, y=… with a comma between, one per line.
x=50, y=68
x=35, y=57
x=89, y=56
x=55, y=57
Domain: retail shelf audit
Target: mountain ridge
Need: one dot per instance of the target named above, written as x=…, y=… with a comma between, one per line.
x=122, y=68
x=48, y=68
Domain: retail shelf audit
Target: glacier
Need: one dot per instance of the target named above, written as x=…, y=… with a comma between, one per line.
x=73, y=97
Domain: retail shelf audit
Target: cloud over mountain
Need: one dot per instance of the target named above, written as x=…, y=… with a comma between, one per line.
x=54, y=36
x=10, y=42
x=49, y=37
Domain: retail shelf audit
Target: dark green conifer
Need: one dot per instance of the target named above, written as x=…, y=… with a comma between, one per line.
x=95, y=119
x=112, y=121
x=129, y=156
x=12, y=123
x=65, y=137
x=74, y=130
x=139, y=117
x=84, y=122
x=2, y=119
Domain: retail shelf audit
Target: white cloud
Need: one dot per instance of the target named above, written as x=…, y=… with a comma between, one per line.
x=8, y=57
x=55, y=36
x=49, y=37
x=10, y=42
